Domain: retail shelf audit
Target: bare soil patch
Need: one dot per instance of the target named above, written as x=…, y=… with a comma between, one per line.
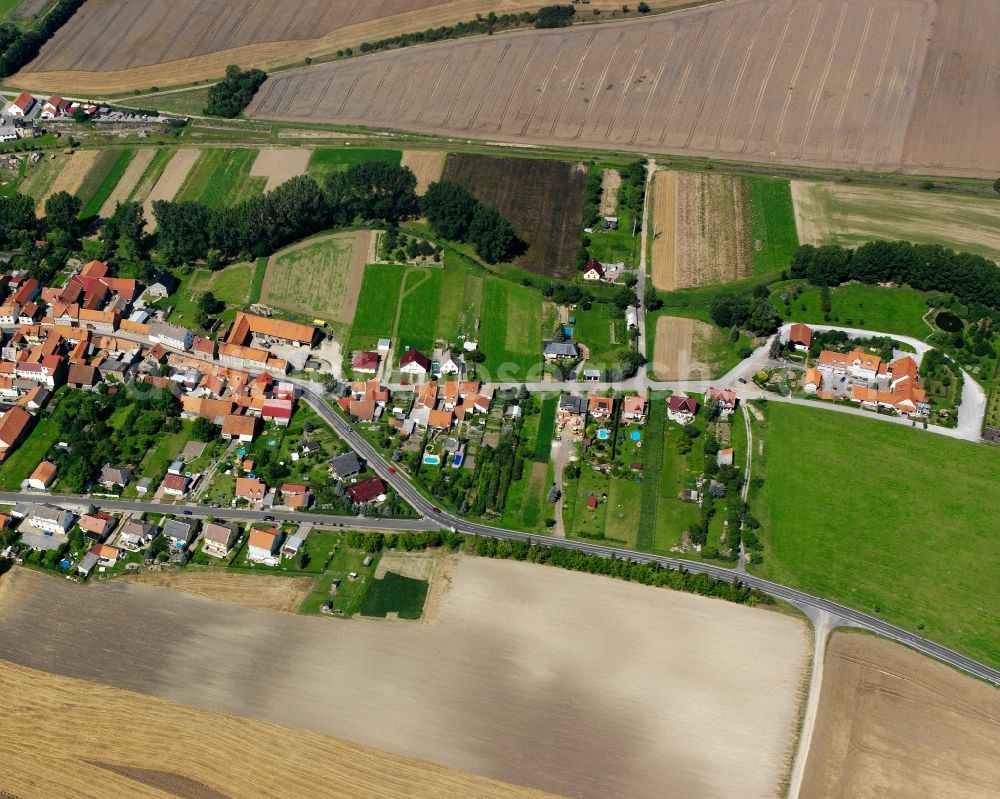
x=30, y=8
x=611, y=181
x=71, y=177
x=264, y=591
x=131, y=176
x=543, y=199
x=530, y=674
x=279, y=164
x=787, y=81
x=834, y=213
x=64, y=748
x=664, y=248
x=894, y=724
x=678, y=353
x=427, y=165
x=713, y=230
x=170, y=181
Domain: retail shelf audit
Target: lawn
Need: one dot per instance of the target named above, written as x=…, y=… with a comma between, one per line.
x=191, y=101
x=394, y=593
x=110, y=167
x=617, y=246
x=602, y=331
x=623, y=510
x=260, y=271
x=886, y=310
x=22, y=462
x=376, y=305
x=156, y=461
x=772, y=224
x=419, y=315
x=510, y=334
x=221, y=177
x=546, y=429
x=348, y=595
x=232, y=284
x=311, y=279
x=890, y=520
x=336, y=159
x=40, y=175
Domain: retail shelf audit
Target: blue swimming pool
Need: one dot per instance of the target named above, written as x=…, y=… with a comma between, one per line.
x=457, y=460
x=432, y=460
x=603, y=434
x=636, y=435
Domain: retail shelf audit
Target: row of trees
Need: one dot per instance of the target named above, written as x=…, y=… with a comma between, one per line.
x=926, y=267
x=748, y=311
x=455, y=214
x=365, y=192
x=234, y=92
x=19, y=46
x=645, y=573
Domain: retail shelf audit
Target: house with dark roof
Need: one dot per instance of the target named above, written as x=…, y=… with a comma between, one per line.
x=414, y=362
x=346, y=465
x=368, y=490
x=681, y=408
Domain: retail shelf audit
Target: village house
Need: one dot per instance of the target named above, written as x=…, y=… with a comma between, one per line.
x=97, y=525
x=136, y=534
x=560, y=350
x=263, y=545
x=239, y=428
x=365, y=362
x=681, y=408
x=296, y=495
x=180, y=532
x=371, y=489
x=903, y=393
x=856, y=364
x=634, y=409
x=800, y=336
x=112, y=476
x=251, y=489
x=571, y=410
x=174, y=485
x=600, y=408
x=171, y=335
x=346, y=465
x=14, y=426
x=812, y=380
x=83, y=377
x=21, y=105
x=451, y=364
x=50, y=518
x=219, y=539
x=414, y=363
x=106, y=555
x=593, y=270
x=278, y=411
x=162, y=285
x=43, y=476
x=724, y=457
x=725, y=399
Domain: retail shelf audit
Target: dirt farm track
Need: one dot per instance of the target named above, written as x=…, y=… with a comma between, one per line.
x=882, y=84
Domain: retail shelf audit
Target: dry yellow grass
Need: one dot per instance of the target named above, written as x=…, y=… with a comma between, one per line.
x=664, y=230
x=279, y=164
x=679, y=350
x=133, y=173
x=268, y=55
x=76, y=738
x=427, y=165
x=170, y=182
x=893, y=724
x=713, y=231
x=264, y=591
x=71, y=177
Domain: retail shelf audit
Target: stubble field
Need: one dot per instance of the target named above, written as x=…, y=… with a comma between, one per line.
x=609, y=711
x=71, y=178
x=542, y=199
x=129, y=179
x=769, y=80
x=170, y=181
x=261, y=591
x=146, y=748
x=834, y=213
x=276, y=165
x=427, y=165
x=712, y=237
x=893, y=724
x=664, y=221
x=121, y=45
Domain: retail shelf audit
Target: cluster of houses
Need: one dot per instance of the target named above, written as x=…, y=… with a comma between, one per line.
x=573, y=411
x=434, y=405
x=594, y=271
x=863, y=377
x=92, y=330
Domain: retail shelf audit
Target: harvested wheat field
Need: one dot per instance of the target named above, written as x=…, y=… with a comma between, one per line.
x=130, y=178
x=264, y=591
x=122, y=45
x=71, y=177
x=138, y=746
x=427, y=165
x=611, y=181
x=789, y=81
x=664, y=213
x=834, y=213
x=170, y=181
x=679, y=351
x=894, y=724
x=529, y=674
x=280, y=164
x=712, y=230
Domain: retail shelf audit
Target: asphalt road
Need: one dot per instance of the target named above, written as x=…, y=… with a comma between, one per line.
x=800, y=598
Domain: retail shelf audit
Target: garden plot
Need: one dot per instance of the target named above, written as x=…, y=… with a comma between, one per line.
x=129, y=180
x=170, y=182
x=71, y=178
x=277, y=165
x=712, y=230
x=427, y=165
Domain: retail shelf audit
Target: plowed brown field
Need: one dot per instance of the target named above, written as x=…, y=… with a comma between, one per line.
x=893, y=724
x=679, y=349
x=145, y=748
x=269, y=592
x=806, y=81
x=121, y=45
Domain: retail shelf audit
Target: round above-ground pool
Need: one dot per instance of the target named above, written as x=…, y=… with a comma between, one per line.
x=603, y=434
x=636, y=435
